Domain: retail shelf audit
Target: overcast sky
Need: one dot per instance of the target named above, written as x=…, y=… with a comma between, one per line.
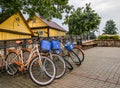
x=107, y=9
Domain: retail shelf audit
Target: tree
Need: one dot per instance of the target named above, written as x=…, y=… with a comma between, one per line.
x=82, y=20
x=45, y=8
x=110, y=27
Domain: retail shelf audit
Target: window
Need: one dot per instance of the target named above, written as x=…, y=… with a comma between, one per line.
x=40, y=33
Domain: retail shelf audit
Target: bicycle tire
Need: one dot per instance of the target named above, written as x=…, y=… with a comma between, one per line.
x=59, y=64
x=69, y=66
x=75, y=58
x=11, y=67
x=39, y=79
x=80, y=53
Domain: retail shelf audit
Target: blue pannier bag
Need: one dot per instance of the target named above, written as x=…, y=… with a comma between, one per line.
x=69, y=46
x=55, y=44
x=45, y=45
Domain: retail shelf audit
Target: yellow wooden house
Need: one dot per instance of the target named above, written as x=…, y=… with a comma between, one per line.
x=45, y=28
x=14, y=27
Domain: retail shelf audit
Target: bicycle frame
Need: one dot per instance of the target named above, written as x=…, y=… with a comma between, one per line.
x=32, y=52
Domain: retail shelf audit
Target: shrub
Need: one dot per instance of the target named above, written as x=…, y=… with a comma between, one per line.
x=108, y=37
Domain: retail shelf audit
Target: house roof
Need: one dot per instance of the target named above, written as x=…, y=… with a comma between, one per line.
x=50, y=24
x=26, y=23
x=6, y=16
x=53, y=24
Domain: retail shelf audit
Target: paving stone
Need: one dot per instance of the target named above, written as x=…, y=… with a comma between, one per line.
x=100, y=69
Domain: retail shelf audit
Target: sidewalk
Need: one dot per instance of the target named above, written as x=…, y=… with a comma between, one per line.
x=101, y=69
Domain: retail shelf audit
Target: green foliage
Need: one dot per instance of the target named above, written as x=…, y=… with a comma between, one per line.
x=9, y=7
x=109, y=37
x=82, y=20
x=46, y=8
x=110, y=27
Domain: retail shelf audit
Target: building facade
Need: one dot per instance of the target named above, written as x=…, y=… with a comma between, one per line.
x=14, y=27
x=45, y=28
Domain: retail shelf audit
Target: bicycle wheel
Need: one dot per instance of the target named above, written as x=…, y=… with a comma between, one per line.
x=75, y=58
x=59, y=64
x=80, y=53
x=25, y=56
x=11, y=67
x=38, y=68
x=69, y=66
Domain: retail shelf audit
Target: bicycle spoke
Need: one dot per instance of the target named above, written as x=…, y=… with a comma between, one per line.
x=39, y=72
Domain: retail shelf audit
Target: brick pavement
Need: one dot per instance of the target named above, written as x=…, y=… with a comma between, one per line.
x=101, y=69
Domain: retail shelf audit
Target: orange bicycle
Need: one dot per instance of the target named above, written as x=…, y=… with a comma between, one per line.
x=38, y=66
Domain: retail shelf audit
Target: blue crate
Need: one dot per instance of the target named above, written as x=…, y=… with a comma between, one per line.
x=55, y=44
x=69, y=46
x=45, y=45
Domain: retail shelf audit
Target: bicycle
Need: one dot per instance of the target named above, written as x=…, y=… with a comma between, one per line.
x=56, y=58
x=60, y=52
x=47, y=50
x=38, y=66
x=67, y=47
x=79, y=51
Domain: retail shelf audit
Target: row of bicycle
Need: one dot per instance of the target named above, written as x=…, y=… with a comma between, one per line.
x=45, y=61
